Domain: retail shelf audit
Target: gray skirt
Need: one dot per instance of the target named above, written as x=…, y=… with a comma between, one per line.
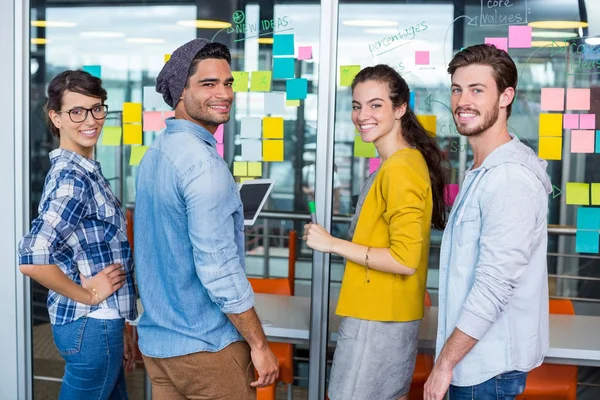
x=373, y=360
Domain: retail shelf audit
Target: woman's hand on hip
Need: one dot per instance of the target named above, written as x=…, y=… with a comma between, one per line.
x=104, y=283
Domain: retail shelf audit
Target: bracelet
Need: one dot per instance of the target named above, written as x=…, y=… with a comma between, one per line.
x=367, y=280
x=95, y=293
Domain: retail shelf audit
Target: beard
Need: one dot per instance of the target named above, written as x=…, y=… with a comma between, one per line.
x=489, y=119
x=204, y=115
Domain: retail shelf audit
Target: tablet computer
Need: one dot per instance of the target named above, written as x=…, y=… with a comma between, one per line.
x=254, y=194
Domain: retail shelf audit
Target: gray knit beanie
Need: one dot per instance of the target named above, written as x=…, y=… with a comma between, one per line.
x=173, y=76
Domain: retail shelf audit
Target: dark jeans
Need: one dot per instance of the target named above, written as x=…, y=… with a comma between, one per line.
x=502, y=387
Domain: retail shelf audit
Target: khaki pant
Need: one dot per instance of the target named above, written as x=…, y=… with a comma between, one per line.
x=223, y=375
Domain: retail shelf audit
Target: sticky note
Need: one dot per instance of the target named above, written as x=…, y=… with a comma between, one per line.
x=273, y=150
x=254, y=169
x=597, y=141
x=272, y=128
x=570, y=121
x=429, y=123
x=111, y=135
x=296, y=89
x=550, y=148
x=596, y=194
x=450, y=193
x=582, y=141
x=578, y=99
x=132, y=112
x=422, y=57
x=168, y=114
x=519, y=37
x=275, y=103
x=220, y=149
x=153, y=121
x=499, y=42
x=578, y=193
x=283, y=68
x=246, y=178
x=588, y=218
x=240, y=168
x=374, y=164
x=153, y=100
x=137, y=153
x=132, y=134
x=586, y=241
x=167, y=57
x=260, y=81
x=251, y=150
x=305, y=53
x=251, y=127
x=362, y=149
x=219, y=133
x=347, y=74
x=553, y=99
x=94, y=70
x=411, y=101
x=283, y=45
x=240, y=81
x=587, y=121
x=551, y=125
x=292, y=103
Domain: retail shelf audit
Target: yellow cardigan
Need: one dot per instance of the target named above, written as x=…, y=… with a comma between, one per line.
x=396, y=214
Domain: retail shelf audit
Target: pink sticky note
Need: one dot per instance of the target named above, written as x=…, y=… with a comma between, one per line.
x=220, y=149
x=422, y=57
x=587, y=121
x=500, y=42
x=571, y=121
x=305, y=53
x=219, y=134
x=450, y=193
x=519, y=37
x=582, y=141
x=374, y=164
x=168, y=114
x=578, y=99
x=553, y=99
x=153, y=121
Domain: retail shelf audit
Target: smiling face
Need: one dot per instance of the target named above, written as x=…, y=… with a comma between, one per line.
x=208, y=96
x=79, y=137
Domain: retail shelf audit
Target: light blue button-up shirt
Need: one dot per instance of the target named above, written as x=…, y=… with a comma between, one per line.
x=189, y=245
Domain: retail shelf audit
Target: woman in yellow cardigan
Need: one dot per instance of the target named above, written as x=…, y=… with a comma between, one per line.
x=382, y=294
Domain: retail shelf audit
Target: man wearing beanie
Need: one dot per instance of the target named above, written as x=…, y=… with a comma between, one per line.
x=199, y=334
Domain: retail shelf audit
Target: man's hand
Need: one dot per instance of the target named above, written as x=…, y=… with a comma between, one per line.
x=266, y=365
x=438, y=383
x=128, y=351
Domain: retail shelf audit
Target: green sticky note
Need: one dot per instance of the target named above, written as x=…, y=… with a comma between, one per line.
x=240, y=168
x=94, y=70
x=260, y=81
x=255, y=168
x=137, y=152
x=240, y=81
x=111, y=135
x=596, y=194
x=578, y=193
x=296, y=103
x=347, y=74
x=362, y=149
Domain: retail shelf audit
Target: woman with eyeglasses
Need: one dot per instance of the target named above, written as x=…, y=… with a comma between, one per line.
x=78, y=247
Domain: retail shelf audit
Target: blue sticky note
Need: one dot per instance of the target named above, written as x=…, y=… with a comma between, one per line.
x=588, y=218
x=296, y=89
x=597, y=141
x=283, y=45
x=283, y=68
x=411, y=102
x=95, y=70
x=587, y=241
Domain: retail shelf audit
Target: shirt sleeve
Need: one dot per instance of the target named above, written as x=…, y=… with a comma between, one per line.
x=60, y=214
x=404, y=193
x=211, y=200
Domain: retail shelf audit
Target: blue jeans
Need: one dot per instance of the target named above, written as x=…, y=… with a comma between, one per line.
x=93, y=351
x=502, y=387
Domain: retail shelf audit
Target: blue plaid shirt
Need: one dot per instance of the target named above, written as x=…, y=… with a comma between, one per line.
x=80, y=228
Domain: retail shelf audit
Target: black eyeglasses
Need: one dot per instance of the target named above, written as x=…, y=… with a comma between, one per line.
x=80, y=114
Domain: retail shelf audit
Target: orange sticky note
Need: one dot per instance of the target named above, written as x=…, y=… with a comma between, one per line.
x=272, y=150
x=132, y=134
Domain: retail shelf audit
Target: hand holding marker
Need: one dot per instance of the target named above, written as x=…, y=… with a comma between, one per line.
x=313, y=212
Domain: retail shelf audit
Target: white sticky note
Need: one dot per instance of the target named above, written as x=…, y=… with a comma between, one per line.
x=153, y=100
x=274, y=103
x=251, y=128
x=251, y=150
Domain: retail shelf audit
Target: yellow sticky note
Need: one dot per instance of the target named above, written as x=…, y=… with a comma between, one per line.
x=429, y=123
x=244, y=179
x=596, y=194
x=550, y=148
x=551, y=125
x=167, y=57
x=240, y=168
x=111, y=135
x=240, y=81
x=578, y=193
x=272, y=128
x=137, y=152
x=272, y=150
x=254, y=169
x=347, y=74
x=292, y=103
x=260, y=81
x=132, y=134
x=132, y=112
x=363, y=149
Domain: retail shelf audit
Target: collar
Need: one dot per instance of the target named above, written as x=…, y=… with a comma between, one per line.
x=75, y=158
x=189, y=126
